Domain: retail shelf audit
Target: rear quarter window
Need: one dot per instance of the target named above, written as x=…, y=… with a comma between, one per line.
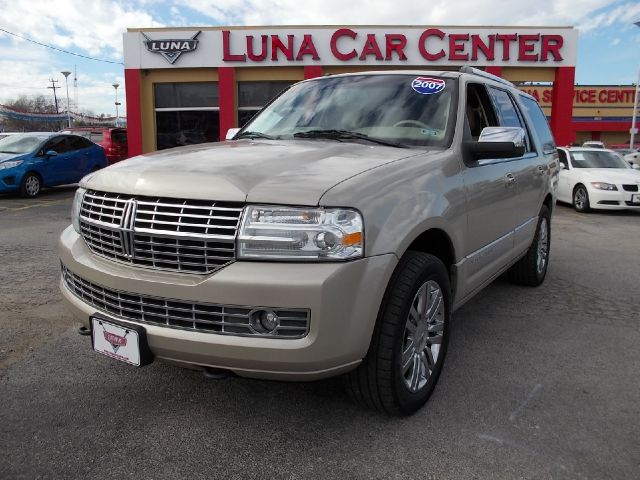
x=119, y=137
x=539, y=124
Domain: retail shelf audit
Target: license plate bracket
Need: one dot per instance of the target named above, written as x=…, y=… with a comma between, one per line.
x=635, y=198
x=119, y=341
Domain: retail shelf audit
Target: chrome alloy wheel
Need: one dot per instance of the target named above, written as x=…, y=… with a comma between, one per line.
x=423, y=335
x=543, y=246
x=32, y=185
x=580, y=198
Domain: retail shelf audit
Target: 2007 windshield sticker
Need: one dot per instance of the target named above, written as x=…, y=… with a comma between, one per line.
x=427, y=85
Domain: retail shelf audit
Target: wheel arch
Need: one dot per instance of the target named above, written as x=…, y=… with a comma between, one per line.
x=436, y=242
x=578, y=184
x=35, y=172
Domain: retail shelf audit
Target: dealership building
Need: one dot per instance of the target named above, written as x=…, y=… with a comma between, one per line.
x=190, y=85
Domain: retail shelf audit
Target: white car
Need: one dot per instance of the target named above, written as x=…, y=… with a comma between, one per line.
x=633, y=158
x=597, y=178
x=593, y=144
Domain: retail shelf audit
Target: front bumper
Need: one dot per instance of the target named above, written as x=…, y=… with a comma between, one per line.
x=612, y=200
x=343, y=298
x=10, y=179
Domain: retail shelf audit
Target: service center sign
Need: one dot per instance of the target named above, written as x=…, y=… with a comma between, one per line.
x=588, y=96
x=367, y=46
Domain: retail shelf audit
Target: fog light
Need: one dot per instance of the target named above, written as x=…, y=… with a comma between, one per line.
x=264, y=321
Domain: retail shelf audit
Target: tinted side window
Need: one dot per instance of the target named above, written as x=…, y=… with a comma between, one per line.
x=562, y=156
x=539, y=124
x=119, y=136
x=479, y=110
x=506, y=110
x=57, y=144
x=77, y=143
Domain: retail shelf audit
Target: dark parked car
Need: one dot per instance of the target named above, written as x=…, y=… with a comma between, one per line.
x=113, y=140
x=30, y=161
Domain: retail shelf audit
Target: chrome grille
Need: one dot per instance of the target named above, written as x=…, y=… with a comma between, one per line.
x=192, y=236
x=201, y=317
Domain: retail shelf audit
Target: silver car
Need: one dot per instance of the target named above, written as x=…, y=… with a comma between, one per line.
x=334, y=234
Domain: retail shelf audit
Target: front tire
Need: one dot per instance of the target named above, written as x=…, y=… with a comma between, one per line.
x=531, y=269
x=30, y=186
x=581, y=199
x=409, y=341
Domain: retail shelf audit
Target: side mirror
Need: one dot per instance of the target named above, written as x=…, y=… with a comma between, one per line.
x=563, y=166
x=231, y=133
x=51, y=153
x=497, y=142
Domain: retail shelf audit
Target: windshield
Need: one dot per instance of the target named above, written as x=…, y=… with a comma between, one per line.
x=596, y=159
x=19, y=143
x=403, y=109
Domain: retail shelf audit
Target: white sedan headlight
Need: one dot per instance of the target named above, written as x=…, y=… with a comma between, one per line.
x=303, y=234
x=75, y=209
x=604, y=186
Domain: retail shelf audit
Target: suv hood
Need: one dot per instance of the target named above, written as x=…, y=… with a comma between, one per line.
x=295, y=172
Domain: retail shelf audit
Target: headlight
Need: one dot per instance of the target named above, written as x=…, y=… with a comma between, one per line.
x=11, y=164
x=604, y=186
x=293, y=233
x=75, y=209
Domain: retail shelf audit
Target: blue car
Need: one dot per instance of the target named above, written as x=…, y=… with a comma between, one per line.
x=30, y=161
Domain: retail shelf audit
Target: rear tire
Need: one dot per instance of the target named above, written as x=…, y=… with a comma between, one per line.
x=531, y=269
x=409, y=341
x=31, y=185
x=581, y=199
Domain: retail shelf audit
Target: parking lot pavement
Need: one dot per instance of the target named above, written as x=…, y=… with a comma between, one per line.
x=538, y=383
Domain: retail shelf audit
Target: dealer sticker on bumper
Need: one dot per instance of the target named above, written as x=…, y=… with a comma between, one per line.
x=116, y=341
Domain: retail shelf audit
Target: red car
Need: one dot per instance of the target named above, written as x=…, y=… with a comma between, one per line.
x=113, y=140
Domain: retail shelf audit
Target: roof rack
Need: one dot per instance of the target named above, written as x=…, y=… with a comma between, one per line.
x=482, y=73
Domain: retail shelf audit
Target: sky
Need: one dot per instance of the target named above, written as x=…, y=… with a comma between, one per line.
x=608, y=48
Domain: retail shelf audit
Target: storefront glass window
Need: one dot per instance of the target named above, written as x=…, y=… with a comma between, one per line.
x=252, y=96
x=186, y=95
x=186, y=113
x=178, y=128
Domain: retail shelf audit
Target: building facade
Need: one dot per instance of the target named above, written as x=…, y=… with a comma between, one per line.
x=190, y=85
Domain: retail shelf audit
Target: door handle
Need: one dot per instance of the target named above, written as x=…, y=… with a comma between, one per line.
x=509, y=180
x=542, y=169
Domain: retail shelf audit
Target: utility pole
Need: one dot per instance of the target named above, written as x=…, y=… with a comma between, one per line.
x=54, y=87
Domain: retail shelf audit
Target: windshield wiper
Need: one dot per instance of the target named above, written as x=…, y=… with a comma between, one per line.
x=346, y=135
x=250, y=134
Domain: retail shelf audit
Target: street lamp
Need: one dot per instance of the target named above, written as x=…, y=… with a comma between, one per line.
x=66, y=74
x=115, y=86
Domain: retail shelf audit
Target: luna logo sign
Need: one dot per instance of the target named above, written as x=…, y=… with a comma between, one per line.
x=171, y=48
x=427, y=86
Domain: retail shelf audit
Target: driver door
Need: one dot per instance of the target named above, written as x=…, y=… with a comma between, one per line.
x=53, y=169
x=490, y=188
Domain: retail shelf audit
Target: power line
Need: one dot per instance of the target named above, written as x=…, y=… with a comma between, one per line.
x=59, y=49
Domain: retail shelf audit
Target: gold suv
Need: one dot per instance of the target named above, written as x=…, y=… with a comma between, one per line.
x=334, y=234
